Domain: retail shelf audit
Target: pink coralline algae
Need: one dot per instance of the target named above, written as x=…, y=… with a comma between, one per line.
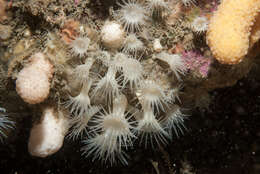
x=197, y=63
x=76, y=2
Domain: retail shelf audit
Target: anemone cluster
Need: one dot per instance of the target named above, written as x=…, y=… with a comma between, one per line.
x=122, y=85
x=121, y=102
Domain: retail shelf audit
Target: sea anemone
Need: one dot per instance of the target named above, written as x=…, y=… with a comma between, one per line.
x=107, y=86
x=131, y=68
x=150, y=129
x=79, y=46
x=118, y=61
x=115, y=132
x=132, y=15
x=150, y=94
x=79, y=123
x=199, y=24
x=132, y=44
x=174, y=121
x=175, y=62
x=116, y=128
x=157, y=6
x=104, y=57
x=82, y=73
x=132, y=72
x=101, y=150
x=188, y=2
x=5, y=124
x=81, y=103
x=112, y=35
x=173, y=94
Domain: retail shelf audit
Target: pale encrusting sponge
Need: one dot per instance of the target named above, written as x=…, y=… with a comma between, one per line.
x=229, y=29
x=47, y=137
x=33, y=81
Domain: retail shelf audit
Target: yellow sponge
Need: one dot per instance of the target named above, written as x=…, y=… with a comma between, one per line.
x=229, y=29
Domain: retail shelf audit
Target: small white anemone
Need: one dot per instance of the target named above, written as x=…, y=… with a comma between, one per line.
x=119, y=105
x=115, y=132
x=150, y=94
x=81, y=103
x=175, y=62
x=80, y=46
x=79, y=123
x=131, y=68
x=199, y=24
x=104, y=57
x=118, y=61
x=99, y=149
x=132, y=72
x=82, y=72
x=117, y=128
x=188, y=2
x=5, y=124
x=151, y=130
x=107, y=86
x=174, y=121
x=157, y=6
x=132, y=15
x=173, y=94
x=132, y=44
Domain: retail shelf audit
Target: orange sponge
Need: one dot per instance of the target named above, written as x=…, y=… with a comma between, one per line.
x=230, y=28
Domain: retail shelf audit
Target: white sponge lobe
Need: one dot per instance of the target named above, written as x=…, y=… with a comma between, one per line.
x=47, y=137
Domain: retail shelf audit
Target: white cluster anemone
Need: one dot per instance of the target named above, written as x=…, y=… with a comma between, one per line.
x=5, y=124
x=80, y=103
x=79, y=123
x=188, y=2
x=199, y=24
x=82, y=72
x=132, y=72
x=112, y=35
x=132, y=69
x=115, y=132
x=173, y=94
x=157, y=6
x=104, y=57
x=175, y=62
x=107, y=86
x=174, y=121
x=150, y=129
x=79, y=46
x=132, y=15
x=132, y=44
x=118, y=61
x=150, y=94
x=100, y=150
